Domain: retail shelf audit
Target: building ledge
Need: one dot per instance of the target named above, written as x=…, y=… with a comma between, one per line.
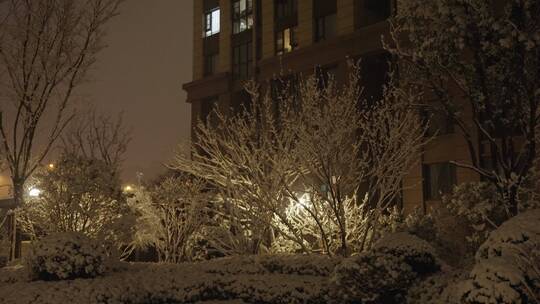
x=208, y=87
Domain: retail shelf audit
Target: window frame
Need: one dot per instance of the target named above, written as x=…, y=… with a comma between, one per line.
x=280, y=40
x=208, y=22
x=238, y=16
x=321, y=28
x=214, y=60
x=242, y=66
x=436, y=192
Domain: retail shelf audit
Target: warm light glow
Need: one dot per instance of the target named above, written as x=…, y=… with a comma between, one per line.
x=299, y=204
x=34, y=192
x=128, y=188
x=51, y=166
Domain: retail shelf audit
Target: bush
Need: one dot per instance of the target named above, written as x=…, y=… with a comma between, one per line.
x=384, y=274
x=507, y=265
x=434, y=289
x=66, y=255
x=240, y=278
x=480, y=205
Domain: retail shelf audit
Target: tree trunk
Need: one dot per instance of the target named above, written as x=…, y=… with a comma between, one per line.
x=18, y=197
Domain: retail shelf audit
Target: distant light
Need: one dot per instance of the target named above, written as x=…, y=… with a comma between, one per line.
x=51, y=166
x=34, y=192
x=128, y=188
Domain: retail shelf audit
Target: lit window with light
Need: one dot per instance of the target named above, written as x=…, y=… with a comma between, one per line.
x=242, y=15
x=286, y=22
x=211, y=22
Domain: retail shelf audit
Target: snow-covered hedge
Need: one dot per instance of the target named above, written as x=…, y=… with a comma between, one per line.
x=383, y=274
x=270, y=279
x=66, y=255
x=507, y=268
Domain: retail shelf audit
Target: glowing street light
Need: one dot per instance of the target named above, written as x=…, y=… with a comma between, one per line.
x=51, y=166
x=34, y=192
x=128, y=188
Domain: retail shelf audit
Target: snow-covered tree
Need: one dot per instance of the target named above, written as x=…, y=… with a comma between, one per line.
x=171, y=214
x=46, y=49
x=478, y=63
x=316, y=164
x=78, y=195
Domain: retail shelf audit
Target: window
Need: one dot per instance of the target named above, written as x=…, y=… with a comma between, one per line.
x=324, y=14
x=242, y=60
x=439, y=179
x=242, y=15
x=325, y=27
x=211, y=22
x=374, y=75
x=286, y=40
x=285, y=8
x=210, y=64
x=207, y=108
x=241, y=102
x=324, y=74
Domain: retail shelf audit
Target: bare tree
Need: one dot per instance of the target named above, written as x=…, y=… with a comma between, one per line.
x=479, y=62
x=98, y=136
x=296, y=161
x=46, y=50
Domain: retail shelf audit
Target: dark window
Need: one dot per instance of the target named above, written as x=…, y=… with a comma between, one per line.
x=242, y=60
x=207, y=109
x=439, y=179
x=374, y=75
x=241, y=102
x=325, y=27
x=242, y=15
x=372, y=11
x=285, y=8
x=211, y=22
x=286, y=40
x=258, y=28
x=324, y=74
x=324, y=13
x=285, y=89
x=210, y=64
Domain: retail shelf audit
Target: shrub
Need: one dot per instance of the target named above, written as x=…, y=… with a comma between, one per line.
x=480, y=205
x=240, y=277
x=434, y=289
x=371, y=277
x=66, y=255
x=383, y=274
x=415, y=252
x=506, y=269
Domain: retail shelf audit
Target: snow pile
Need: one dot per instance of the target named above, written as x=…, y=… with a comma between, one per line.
x=13, y=274
x=248, y=278
x=507, y=264
x=383, y=274
x=66, y=255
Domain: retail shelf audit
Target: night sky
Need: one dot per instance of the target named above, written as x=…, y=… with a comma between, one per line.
x=141, y=72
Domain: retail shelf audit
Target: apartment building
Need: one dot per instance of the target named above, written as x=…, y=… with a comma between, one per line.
x=236, y=40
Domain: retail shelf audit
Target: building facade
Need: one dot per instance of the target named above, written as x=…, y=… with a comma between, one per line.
x=236, y=40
